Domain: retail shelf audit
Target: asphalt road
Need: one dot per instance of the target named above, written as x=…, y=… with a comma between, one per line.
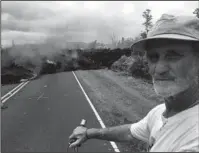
x=42, y=115
x=6, y=88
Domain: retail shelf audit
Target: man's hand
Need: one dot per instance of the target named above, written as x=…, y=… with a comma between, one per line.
x=79, y=134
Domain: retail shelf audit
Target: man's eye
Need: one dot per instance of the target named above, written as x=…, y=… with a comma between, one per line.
x=153, y=58
x=173, y=56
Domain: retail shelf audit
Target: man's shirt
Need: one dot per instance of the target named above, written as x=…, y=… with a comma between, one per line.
x=179, y=133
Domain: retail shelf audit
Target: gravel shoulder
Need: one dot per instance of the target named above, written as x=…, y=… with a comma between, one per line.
x=119, y=99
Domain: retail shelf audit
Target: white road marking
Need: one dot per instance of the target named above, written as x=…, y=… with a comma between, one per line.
x=40, y=96
x=96, y=113
x=10, y=92
x=4, y=100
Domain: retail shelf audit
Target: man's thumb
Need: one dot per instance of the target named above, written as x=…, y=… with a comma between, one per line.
x=72, y=136
x=75, y=144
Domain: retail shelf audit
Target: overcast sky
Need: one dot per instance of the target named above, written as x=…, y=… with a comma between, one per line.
x=35, y=21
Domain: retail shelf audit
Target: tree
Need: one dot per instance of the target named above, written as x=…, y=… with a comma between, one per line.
x=148, y=22
x=123, y=39
x=114, y=40
x=121, y=43
x=13, y=43
x=196, y=12
x=92, y=45
x=143, y=34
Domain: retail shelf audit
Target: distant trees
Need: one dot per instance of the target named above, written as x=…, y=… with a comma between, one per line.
x=92, y=45
x=140, y=67
x=114, y=40
x=148, y=22
x=125, y=43
x=196, y=12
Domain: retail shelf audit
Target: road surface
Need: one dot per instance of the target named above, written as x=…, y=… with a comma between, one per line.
x=42, y=115
x=6, y=88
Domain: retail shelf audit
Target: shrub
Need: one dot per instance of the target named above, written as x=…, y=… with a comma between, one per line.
x=135, y=66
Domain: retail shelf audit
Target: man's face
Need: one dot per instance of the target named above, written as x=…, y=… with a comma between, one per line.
x=173, y=67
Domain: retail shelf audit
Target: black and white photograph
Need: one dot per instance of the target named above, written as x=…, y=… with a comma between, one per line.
x=99, y=76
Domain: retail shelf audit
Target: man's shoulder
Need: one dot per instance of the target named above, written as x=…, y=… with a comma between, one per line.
x=157, y=109
x=155, y=114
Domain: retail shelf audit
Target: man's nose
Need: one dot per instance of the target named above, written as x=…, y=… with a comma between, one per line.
x=161, y=68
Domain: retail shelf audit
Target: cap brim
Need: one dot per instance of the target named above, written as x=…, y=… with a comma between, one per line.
x=141, y=44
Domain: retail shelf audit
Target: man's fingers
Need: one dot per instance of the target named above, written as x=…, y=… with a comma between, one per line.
x=75, y=144
x=72, y=136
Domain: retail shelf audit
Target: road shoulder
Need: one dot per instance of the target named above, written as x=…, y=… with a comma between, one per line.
x=118, y=99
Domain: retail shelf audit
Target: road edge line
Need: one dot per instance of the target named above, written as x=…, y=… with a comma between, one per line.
x=4, y=100
x=8, y=93
x=95, y=112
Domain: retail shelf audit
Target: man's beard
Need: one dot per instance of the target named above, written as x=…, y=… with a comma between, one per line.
x=169, y=88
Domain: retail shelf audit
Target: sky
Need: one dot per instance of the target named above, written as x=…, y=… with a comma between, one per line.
x=40, y=21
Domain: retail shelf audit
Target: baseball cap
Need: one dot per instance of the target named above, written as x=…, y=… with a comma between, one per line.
x=172, y=27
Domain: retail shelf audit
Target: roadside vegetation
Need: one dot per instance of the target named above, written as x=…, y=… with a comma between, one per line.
x=24, y=61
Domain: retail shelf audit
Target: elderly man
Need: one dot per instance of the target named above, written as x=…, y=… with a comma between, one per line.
x=172, y=50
